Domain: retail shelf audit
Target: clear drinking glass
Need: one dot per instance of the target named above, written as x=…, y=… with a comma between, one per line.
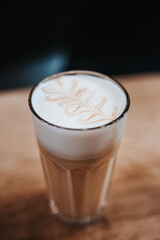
x=78, y=187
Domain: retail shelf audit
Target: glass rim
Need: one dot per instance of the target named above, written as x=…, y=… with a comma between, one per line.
x=74, y=72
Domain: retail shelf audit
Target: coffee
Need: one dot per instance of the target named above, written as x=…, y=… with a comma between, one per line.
x=77, y=190
x=79, y=119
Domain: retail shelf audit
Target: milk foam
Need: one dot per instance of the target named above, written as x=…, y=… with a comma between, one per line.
x=79, y=101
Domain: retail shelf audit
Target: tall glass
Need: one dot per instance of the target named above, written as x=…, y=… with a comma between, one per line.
x=78, y=163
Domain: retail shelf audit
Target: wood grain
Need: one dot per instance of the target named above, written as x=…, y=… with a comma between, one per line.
x=133, y=210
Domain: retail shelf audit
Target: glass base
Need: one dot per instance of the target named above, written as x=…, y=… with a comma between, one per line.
x=73, y=221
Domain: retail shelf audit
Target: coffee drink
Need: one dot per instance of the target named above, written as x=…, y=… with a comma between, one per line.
x=79, y=118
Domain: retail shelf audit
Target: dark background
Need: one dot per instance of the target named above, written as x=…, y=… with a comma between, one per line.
x=43, y=38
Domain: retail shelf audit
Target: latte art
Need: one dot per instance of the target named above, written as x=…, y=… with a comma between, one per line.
x=78, y=101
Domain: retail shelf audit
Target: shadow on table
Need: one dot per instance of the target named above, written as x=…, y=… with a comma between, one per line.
x=29, y=218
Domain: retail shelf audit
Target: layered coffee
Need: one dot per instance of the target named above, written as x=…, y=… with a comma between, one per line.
x=79, y=118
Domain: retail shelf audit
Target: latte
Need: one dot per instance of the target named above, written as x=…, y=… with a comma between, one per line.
x=79, y=118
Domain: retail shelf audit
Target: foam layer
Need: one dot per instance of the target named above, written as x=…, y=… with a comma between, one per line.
x=78, y=101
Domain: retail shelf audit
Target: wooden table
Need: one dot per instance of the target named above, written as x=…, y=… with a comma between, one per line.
x=133, y=211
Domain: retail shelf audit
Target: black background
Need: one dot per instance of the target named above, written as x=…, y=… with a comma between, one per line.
x=112, y=37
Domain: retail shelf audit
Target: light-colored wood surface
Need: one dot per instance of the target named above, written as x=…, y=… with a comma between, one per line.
x=133, y=211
